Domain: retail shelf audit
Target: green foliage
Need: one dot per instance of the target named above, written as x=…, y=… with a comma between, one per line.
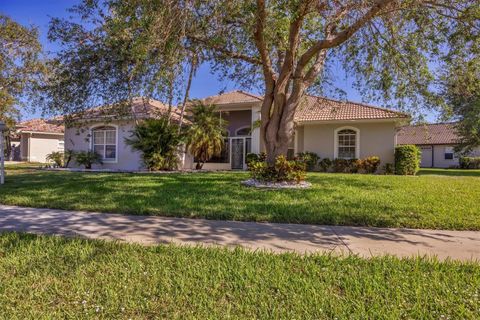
x=345, y=165
x=283, y=170
x=325, y=164
x=159, y=142
x=389, y=168
x=88, y=158
x=310, y=158
x=251, y=158
x=205, y=137
x=56, y=157
x=469, y=162
x=368, y=165
x=407, y=159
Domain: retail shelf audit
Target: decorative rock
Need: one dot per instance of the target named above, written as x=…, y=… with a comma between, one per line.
x=276, y=185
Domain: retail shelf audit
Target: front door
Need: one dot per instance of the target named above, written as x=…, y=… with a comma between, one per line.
x=237, y=153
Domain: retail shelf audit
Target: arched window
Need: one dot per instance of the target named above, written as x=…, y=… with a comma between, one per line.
x=104, y=142
x=244, y=131
x=347, y=143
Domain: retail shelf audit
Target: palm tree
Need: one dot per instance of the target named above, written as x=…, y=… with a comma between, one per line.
x=206, y=135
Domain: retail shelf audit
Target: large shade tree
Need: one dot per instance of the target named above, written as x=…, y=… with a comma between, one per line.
x=21, y=68
x=393, y=49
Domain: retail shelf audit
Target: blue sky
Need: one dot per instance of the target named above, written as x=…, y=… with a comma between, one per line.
x=39, y=13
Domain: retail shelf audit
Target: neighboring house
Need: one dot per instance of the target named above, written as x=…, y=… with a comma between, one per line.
x=436, y=141
x=332, y=129
x=34, y=139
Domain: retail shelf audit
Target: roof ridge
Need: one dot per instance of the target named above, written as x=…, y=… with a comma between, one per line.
x=359, y=104
x=430, y=124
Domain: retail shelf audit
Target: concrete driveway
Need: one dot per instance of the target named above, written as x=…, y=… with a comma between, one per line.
x=277, y=237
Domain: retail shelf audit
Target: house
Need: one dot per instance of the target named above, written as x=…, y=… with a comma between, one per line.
x=332, y=129
x=436, y=142
x=34, y=139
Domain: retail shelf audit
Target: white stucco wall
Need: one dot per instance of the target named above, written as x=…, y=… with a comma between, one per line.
x=376, y=139
x=36, y=146
x=79, y=139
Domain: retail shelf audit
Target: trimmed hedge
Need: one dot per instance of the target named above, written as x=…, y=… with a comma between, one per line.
x=407, y=159
x=469, y=163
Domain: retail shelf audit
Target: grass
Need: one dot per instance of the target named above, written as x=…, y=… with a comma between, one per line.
x=426, y=201
x=450, y=172
x=45, y=277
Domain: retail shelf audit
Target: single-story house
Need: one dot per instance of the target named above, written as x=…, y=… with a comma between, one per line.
x=33, y=140
x=436, y=142
x=332, y=129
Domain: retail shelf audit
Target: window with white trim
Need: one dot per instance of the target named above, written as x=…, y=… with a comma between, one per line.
x=347, y=144
x=245, y=131
x=449, y=153
x=105, y=142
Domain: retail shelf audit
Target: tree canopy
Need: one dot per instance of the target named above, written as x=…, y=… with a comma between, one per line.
x=395, y=50
x=21, y=68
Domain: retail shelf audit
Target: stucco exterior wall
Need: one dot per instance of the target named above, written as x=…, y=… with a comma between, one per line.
x=79, y=139
x=35, y=147
x=376, y=139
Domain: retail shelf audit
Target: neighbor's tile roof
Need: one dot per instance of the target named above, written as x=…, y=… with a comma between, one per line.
x=236, y=96
x=323, y=109
x=39, y=125
x=438, y=133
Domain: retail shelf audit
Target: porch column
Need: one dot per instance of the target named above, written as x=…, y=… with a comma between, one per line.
x=255, y=131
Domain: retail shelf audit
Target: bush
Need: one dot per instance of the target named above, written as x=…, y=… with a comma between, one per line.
x=345, y=165
x=87, y=158
x=369, y=164
x=325, y=164
x=251, y=158
x=309, y=158
x=469, y=163
x=159, y=142
x=407, y=159
x=283, y=170
x=388, y=168
x=56, y=157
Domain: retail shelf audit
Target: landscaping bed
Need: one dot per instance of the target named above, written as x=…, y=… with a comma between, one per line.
x=425, y=201
x=51, y=277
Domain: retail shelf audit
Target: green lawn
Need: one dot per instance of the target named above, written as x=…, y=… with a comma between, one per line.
x=426, y=201
x=450, y=172
x=55, y=278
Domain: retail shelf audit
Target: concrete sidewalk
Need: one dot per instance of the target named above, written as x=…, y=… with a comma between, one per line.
x=461, y=245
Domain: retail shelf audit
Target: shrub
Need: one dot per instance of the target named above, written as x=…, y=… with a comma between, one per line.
x=407, y=159
x=283, y=170
x=87, y=158
x=159, y=141
x=345, y=165
x=469, y=163
x=388, y=168
x=309, y=158
x=251, y=158
x=325, y=164
x=56, y=157
x=369, y=164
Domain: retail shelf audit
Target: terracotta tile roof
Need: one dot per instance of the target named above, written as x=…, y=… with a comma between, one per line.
x=141, y=108
x=323, y=109
x=236, y=96
x=39, y=125
x=437, y=133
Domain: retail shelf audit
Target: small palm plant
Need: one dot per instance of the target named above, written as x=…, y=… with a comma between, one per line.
x=205, y=138
x=55, y=157
x=87, y=158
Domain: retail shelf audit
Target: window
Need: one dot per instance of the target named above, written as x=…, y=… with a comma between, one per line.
x=61, y=145
x=243, y=131
x=224, y=156
x=105, y=142
x=449, y=154
x=346, y=144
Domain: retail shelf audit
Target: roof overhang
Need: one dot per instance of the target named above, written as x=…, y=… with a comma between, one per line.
x=385, y=120
x=43, y=132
